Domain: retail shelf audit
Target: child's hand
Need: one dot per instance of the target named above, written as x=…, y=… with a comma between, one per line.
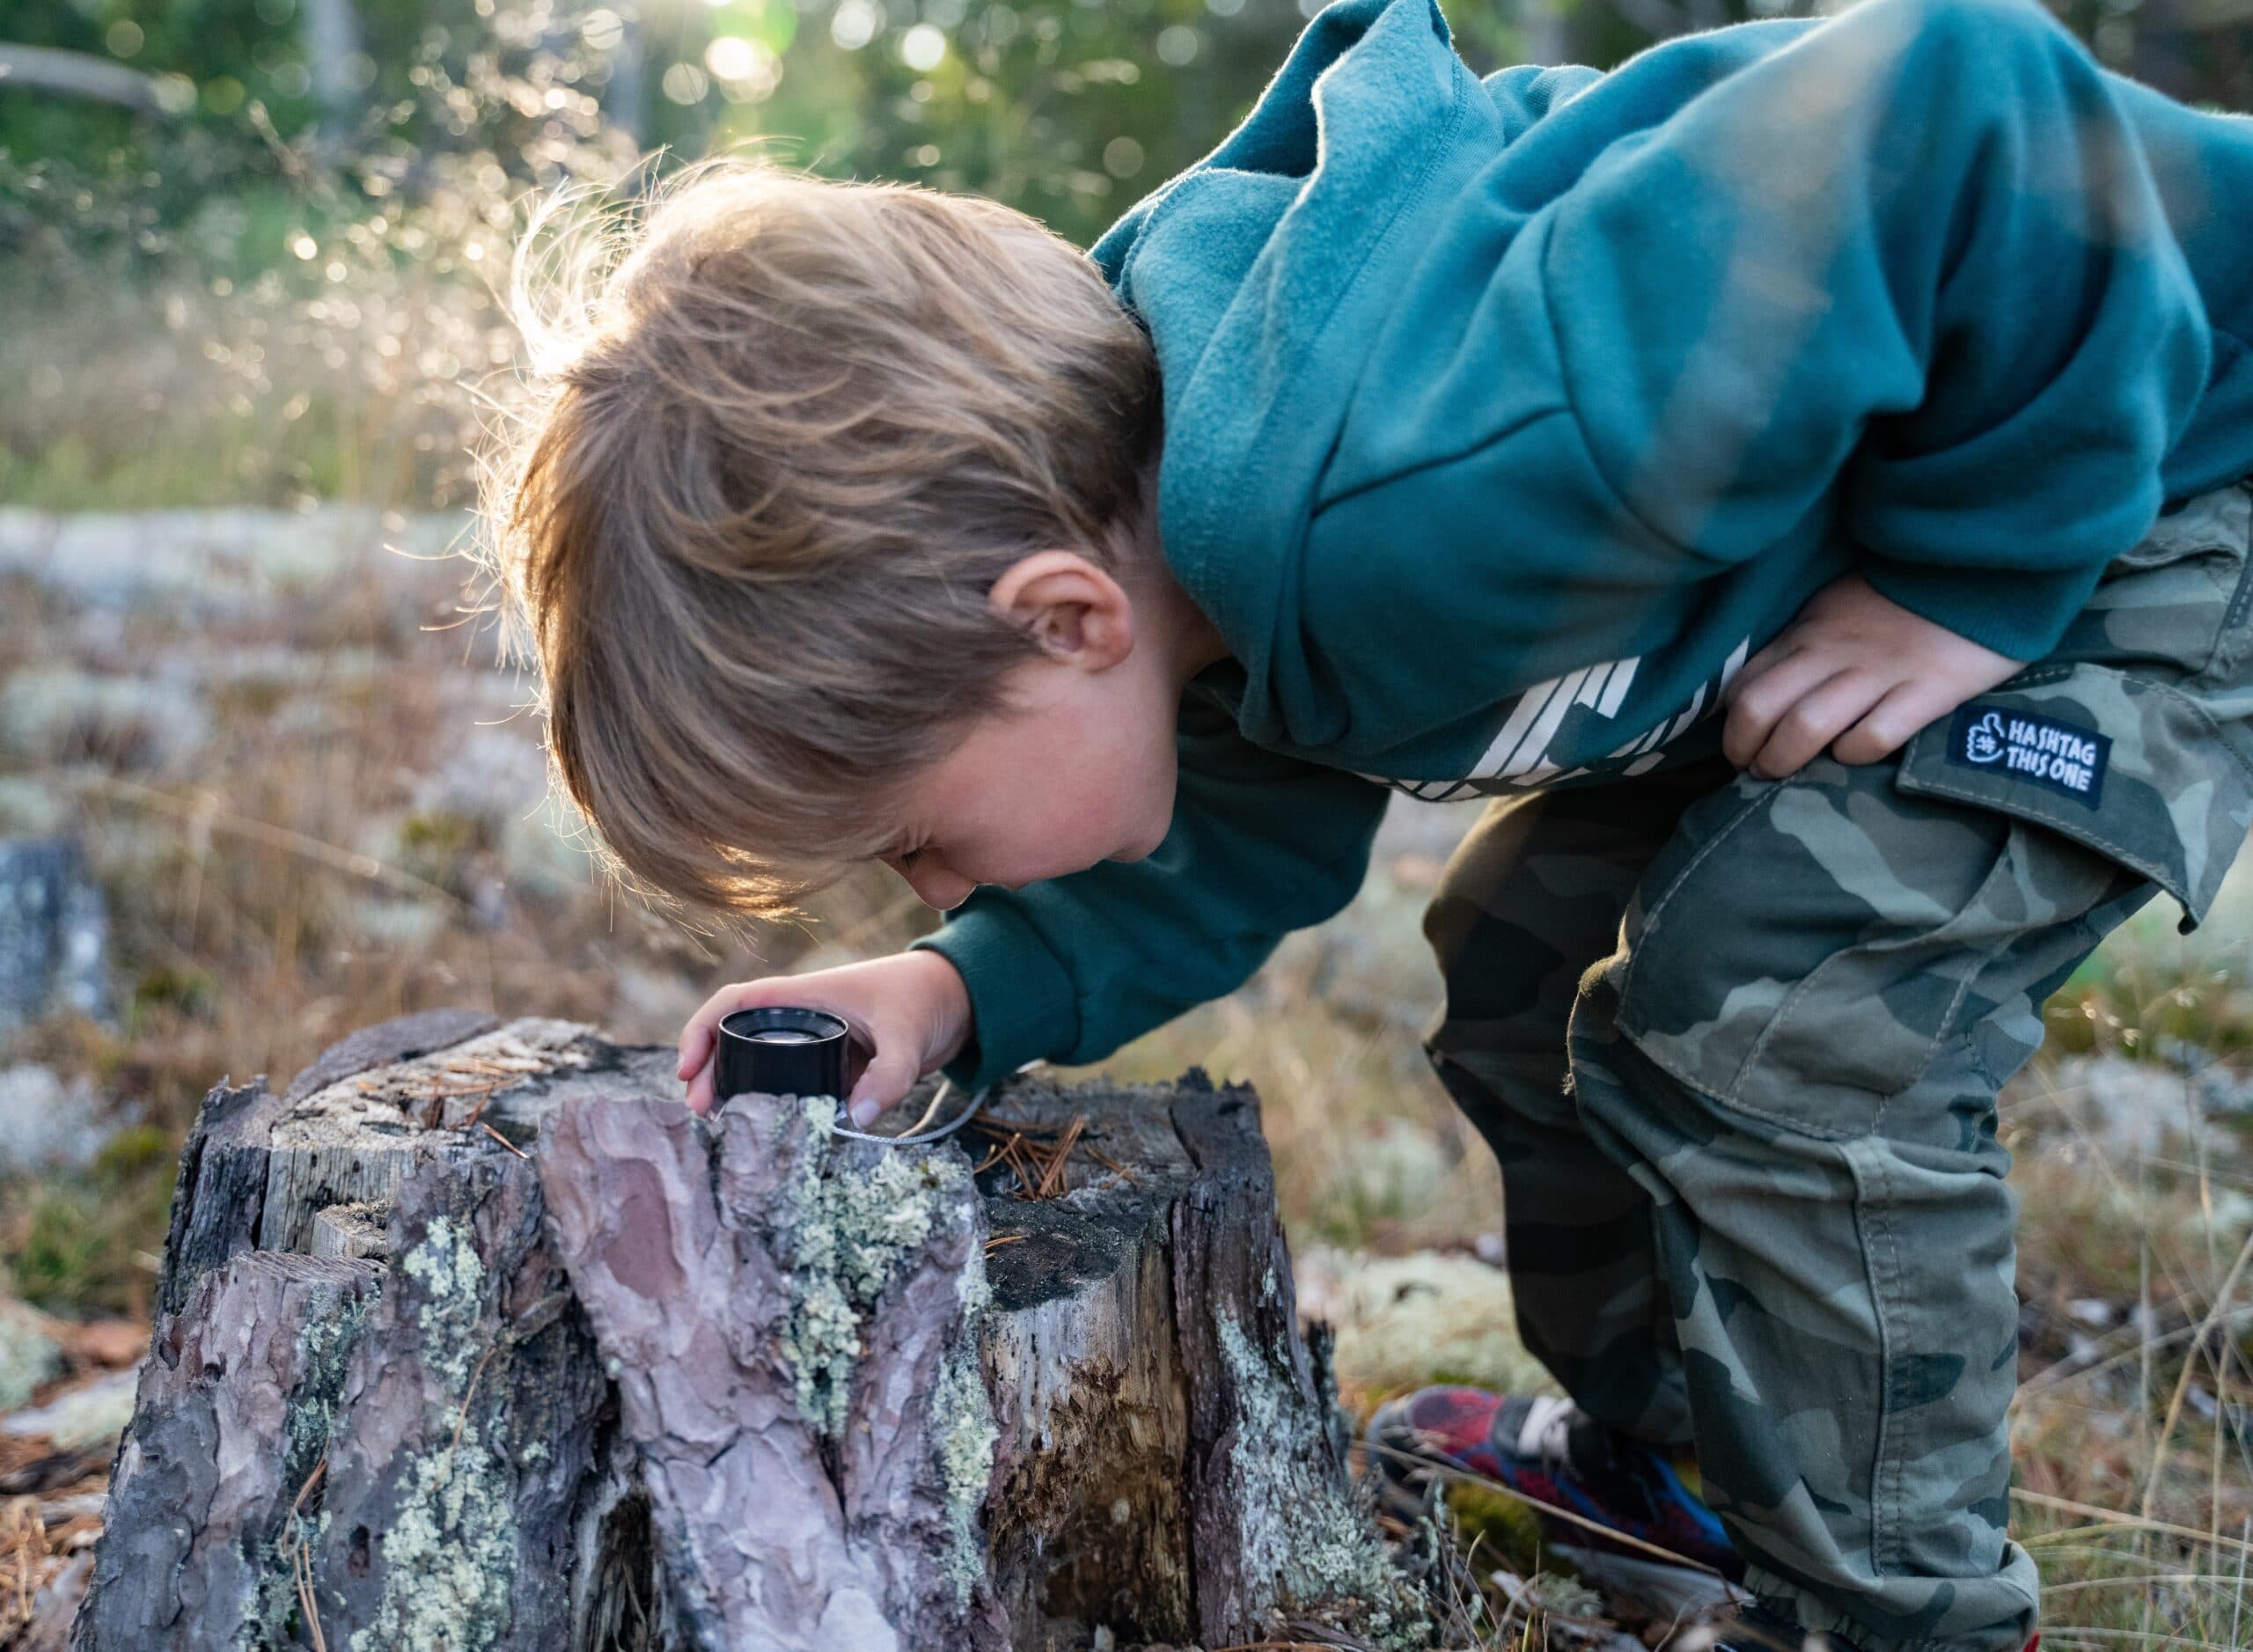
x=1856, y=672
x=909, y=1013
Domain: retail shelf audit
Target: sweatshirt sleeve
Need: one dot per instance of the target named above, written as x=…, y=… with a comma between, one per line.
x=1071, y=968
x=1920, y=252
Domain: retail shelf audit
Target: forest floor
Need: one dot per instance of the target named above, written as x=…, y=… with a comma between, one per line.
x=313, y=800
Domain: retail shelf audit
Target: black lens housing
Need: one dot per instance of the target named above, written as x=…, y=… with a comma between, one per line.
x=812, y=1065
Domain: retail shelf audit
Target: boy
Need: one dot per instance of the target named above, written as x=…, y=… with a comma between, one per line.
x=1749, y=465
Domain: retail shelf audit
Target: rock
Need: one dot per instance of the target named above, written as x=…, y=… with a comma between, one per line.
x=60, y=713
x=45, y=1125
x=30, y=1352
x=53, y=933
x=93, y=1414
x=211, y=563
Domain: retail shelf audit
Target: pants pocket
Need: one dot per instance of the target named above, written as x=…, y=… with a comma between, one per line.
x=1805, y=963
x=2135, y=769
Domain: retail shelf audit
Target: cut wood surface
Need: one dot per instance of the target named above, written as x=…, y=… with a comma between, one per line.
x=474, y=1338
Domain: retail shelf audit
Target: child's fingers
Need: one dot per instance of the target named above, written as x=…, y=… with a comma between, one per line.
x=1814, y=721
x=891, y=1075
x=1888, y=725
x=1766, y=701
x=1760, y=665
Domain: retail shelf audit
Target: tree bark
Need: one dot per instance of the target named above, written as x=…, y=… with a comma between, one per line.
x=476, y=1338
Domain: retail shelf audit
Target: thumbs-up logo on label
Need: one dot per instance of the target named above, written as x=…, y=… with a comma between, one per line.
x=1983, y=741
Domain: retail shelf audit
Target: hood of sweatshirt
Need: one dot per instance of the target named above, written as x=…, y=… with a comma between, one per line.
x=1504, y=417
x=1261, y=273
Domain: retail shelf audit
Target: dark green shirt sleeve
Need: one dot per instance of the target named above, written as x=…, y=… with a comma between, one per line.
x=1070, y=969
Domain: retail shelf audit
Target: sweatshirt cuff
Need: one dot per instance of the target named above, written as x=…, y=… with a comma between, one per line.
x=1022, y=1004
x=2021, y=614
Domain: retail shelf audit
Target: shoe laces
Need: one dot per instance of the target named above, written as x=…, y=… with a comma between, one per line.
x=1546, y=1432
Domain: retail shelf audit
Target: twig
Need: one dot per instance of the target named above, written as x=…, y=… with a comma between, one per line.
x=301, y=1565
x=1001, y=1239
x=1055, y=1176
x=478, y=1112
x=504, y=1141
x=1111, y=1164
x=299, y=843
x=2118, y=1519
x=306, y=1490
x=461, y=1421
x=992, y=1126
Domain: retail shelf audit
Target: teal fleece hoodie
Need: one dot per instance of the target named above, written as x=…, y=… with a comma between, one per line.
x=1505, y=418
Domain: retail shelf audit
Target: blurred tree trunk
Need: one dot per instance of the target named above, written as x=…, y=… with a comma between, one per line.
x=330, y=40
x=622, y=95
x=77, y=75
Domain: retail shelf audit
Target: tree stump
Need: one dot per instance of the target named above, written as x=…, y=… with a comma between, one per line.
x=475, y=1338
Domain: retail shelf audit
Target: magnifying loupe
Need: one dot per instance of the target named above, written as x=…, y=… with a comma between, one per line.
x=780, y=1051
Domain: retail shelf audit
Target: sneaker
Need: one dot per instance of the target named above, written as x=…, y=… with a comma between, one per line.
x=1550, y=1451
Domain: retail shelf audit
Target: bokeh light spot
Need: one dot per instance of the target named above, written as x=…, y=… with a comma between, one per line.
x=854, y=24
x=922, y=47
x=685, y=83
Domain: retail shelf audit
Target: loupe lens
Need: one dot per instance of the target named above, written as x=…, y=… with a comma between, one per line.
x=781, y=1052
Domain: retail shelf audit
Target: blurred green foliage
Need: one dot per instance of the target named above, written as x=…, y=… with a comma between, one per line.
x=1066, y=108
x=82, y=1241
x=253, y=258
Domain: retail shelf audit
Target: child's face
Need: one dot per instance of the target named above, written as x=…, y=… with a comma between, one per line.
x=1081, y=767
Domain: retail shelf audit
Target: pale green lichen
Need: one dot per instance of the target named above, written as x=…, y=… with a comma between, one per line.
x=323, y=1349
x=446, y=1264
x=1301, y=1528
x=849, y=1231
x=450, y=1555
x=28, y=1356
x=449, y=1558
x=846, y=1235
x=964, y=1430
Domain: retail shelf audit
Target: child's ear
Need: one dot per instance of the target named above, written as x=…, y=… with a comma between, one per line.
x=1079, y=615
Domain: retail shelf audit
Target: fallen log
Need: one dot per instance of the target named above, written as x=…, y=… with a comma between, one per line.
x=474, y=1338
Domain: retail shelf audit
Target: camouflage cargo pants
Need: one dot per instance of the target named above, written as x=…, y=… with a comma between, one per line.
x=1737, y=1045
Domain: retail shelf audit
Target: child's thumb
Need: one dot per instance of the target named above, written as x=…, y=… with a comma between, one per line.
x=889, y=1078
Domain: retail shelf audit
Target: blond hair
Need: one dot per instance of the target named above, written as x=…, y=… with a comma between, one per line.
x=783, y=436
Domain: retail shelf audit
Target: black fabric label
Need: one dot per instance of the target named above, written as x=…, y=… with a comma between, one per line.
x=2059, y=757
